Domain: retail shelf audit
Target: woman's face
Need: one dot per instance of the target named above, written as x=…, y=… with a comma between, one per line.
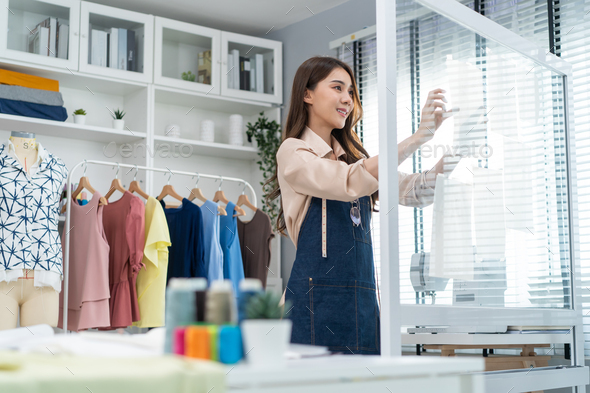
x=331, y=102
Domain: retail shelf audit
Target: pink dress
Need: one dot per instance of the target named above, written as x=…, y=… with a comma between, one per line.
x=125, y=231
x=88, y=292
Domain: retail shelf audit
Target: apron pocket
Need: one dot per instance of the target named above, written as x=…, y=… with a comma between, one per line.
x=368, y=309
x=344, y=316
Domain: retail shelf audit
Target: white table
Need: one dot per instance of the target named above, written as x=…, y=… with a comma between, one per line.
x=347, y=374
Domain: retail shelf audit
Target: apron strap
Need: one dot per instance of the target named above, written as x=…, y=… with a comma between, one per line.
x=324, y=229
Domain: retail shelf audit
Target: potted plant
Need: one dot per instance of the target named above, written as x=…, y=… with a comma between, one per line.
x=266, y=136
x=79, y=116
x=188, y=76
x=265, y=332
x=118, y=122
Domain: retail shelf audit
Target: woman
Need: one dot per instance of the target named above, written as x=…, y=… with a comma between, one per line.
x=328, y=187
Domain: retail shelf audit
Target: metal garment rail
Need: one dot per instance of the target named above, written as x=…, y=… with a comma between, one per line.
x=66, y=261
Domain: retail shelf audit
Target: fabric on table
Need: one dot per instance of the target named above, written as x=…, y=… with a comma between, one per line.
x=88, y=283
x=233, y=268
x=125, y=230
x=32, y=81
x=186, y=255
x=40, y=373
x=151, y=281
x=255, y=237
x=28, y=109
x=212, y=247
x=35, y=96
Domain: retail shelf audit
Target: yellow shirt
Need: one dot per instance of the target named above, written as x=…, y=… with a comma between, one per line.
x=151, y=281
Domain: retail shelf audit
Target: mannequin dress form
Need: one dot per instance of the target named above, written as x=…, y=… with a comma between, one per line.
x=36, y=304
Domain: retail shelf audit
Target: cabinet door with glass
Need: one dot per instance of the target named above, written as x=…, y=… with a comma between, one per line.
x=40, y=32
x=251, y=68
x=116, y=43
x=186, y=56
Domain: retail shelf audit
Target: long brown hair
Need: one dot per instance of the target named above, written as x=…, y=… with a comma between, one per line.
x=309, y=74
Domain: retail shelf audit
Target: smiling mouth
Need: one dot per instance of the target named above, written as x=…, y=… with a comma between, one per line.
x=343, y=114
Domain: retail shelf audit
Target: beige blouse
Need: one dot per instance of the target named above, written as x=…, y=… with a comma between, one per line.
x=305, y=170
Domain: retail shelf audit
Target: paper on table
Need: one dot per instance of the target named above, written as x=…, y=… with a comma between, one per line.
x=451, y=253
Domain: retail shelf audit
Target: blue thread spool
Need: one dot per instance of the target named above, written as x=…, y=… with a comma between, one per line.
x=230, y=344
x=248, y=287
x=180, y=305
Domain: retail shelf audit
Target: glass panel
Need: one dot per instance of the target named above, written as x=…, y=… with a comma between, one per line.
x=38, y=27
x=494, y=230
x=250, y=68
x=186, y=56
x=115, y=43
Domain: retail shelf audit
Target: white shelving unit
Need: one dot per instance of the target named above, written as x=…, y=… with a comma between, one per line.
x=271, y=52
x=22, y=16
x=100, y=17
x=152, y=101
x=182, y=47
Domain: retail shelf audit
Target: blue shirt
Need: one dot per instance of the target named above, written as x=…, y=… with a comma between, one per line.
x=233, y=268
x=186, y=257
x=213, y=252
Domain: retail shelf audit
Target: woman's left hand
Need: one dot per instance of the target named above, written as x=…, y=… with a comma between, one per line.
x=432, y=118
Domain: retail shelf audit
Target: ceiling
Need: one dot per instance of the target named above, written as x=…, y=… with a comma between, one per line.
x=252, y=17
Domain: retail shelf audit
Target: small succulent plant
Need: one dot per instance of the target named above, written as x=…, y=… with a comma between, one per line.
x=189, y=76
x=266, y=306
x=80, y=112
x=118, y=114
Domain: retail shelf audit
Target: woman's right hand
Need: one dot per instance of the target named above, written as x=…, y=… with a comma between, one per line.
x=432, y=118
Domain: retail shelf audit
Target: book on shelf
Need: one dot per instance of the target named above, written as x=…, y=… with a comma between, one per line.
x=122, y=46
x=244, y=73
x=253, y=73
x=39, y=41
x=43, y=38
x=113, y=47
x=259, y=59
x=236, y=68
x=131, y=52
x=98, y=45
x=229, y=72
x=63, y=40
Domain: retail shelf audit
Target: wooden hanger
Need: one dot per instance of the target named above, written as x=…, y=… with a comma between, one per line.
x=244, y=201
x=115, y=185
x=135, y=187
x=196, y=193
x=85, y=184
x=220, y=197
x=169, y=190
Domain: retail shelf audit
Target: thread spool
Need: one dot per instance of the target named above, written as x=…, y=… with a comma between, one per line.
x=207, y=131
x=198, y=342
x=230, y=344
x=179, y=338
x=180, y=305
x=220, y=303
x=248, y=287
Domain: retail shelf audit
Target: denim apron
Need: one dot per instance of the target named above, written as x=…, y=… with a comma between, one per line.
x=333, y=298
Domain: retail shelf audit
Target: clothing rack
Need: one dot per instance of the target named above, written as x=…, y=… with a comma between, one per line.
x=66, y=259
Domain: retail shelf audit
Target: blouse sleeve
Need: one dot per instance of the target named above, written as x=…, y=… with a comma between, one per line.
x=416, y=189
x=309, y=174
x=135, y=231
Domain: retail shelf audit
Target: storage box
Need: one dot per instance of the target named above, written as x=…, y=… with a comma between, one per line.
x=204, y=68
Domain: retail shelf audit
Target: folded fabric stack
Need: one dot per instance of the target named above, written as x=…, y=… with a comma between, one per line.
x=31, y=96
